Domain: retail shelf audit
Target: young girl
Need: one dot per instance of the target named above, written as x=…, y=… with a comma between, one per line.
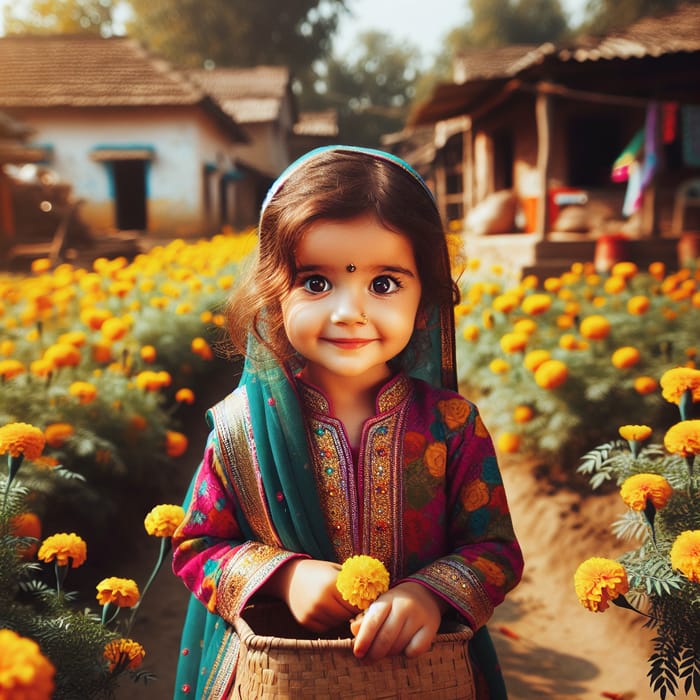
x=345, y=434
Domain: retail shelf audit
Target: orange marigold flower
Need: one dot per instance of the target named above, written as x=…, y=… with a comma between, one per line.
x=614, y=284
x=638, y=305
x=552, y=284
x=102, y=352
x=487, y=319
x=657, y=270
x=595, y=327
x=122, y=592
x=62, y=355
x=85, y=392
x=138, y=422
x=598, y=581
x=505, y=303
x=175, y=443
x=7, y=347
x=26, y=525
x=471, y=332
x=645, y=385
x=625, y=269
x=11, y=368
x=523, y=414
x=683, y=438
x=640, y=488
x=499, y=366
x=535, y=358
x=25, y=673
x=201, y=347
x=508, y=442
x=124, y=654
x=514, y=342
x=148, y=353
x=21, y=439
x=163, y=520
x=568, y=341
x=114, y=329
x=361, y=580
x=57, y=434
x=635, y=432
x=551, y=374
x=184, y=395
x=153, y=381
x=525, y=325
x=675, y=382
x=625, y=357
x=64, y=548
x=535, y=304
x=75, y=338
x=94, y=318
x=685, y=554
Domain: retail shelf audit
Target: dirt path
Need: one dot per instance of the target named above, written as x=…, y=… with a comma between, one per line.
x=549, y=645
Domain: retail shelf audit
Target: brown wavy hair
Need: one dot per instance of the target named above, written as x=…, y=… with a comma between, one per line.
x=334, y=185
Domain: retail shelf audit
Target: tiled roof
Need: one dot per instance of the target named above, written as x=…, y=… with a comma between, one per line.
x=76, y=70
x=324, y=123
x=249, y=95
x=488, y=63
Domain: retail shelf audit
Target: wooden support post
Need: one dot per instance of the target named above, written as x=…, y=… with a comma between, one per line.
x=543, y=115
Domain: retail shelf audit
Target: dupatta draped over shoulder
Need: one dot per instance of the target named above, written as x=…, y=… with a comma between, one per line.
x=278, y=482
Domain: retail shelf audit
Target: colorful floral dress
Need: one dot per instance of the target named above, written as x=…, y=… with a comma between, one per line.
x=423, y=494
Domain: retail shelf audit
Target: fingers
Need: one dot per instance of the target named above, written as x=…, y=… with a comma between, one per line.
x=370, y=623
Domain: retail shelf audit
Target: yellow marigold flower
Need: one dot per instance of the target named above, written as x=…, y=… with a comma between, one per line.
x=75, y=338
x=568, y=341
x=487, y=319
x=175, y=443
x=683, y=438
x=535, y=358
x=201, y=347
x=148, y=353
x=598, y=581
x=57, y=434
x=625, y=357
x=525, y=325
x=551, y=374
x=564, y=321
x=514, y=342
x=645, y=385
x=635, y=432
x=626, y=270
x=11, y=368
x=595, y=327
x=184, y=395
x=114, y=329
x=25, y=673
x=535, y=304
x=529, y=282
x=41, y=368
x=685, y=555
x=640, y=488
x=675, y=382
x=124, y=654
x=85, y=392
x=361, y=580
x=163, y=520
x=122, y=592
x=499, y=366
x=638, y=305
x=40, y=265
x=102, y=352
x=505, y=303
x=523, y=414
x=94, y=317
x=62, y=355
x=614, y=284
x=552, y=284
x=7, y=348
x=508, y=442
x=21, y=439
x=152, y=381
x=471, y=332
x=64, y=548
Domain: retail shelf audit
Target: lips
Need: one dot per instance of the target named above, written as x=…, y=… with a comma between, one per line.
x=348, y=343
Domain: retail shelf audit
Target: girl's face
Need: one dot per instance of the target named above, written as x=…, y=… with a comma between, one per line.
x=353, y=303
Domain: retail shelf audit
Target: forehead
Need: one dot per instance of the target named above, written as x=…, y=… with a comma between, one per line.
x=360, y=240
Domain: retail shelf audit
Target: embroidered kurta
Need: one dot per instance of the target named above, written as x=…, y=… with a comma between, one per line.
x=423, y=494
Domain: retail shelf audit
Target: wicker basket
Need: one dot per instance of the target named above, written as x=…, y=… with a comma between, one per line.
x=292, y=663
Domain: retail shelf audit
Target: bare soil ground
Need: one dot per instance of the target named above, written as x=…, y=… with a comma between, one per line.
x=549, y=645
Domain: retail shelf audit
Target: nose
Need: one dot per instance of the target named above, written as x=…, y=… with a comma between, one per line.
x=347, y=308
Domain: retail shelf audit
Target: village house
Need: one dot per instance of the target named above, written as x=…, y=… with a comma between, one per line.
x=555, y=147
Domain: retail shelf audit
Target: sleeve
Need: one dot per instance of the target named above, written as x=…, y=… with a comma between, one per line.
x=485, y=560
x=217, y=562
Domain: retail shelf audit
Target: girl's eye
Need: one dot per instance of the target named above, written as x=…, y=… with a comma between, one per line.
x=384, y=284
x=316, y=284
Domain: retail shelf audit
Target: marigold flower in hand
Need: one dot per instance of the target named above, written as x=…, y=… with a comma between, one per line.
x=362, y=579
x=124, y=654
x=122, y=592
x=64, y=548
x=598, y=581
x=639, y=489
x=685, y=554
x=24, y=671
x=163, y=520
x=21, y=439
x=683, y=438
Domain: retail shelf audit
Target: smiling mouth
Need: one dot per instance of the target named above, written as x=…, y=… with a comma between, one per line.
x=348, y=343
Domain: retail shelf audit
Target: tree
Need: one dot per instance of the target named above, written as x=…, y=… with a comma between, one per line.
x=60, y=17
x=371, y=87
x=191, y=33
x=606, y=15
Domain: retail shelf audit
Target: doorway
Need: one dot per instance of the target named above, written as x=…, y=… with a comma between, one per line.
x=129, y=177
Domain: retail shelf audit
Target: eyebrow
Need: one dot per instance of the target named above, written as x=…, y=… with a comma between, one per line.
x=379, y=269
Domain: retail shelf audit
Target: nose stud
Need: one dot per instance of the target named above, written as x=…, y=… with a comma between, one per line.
x=364, y=319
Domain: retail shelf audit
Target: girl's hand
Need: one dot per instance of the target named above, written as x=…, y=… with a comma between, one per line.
x=404, y=619
x=308, y=588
